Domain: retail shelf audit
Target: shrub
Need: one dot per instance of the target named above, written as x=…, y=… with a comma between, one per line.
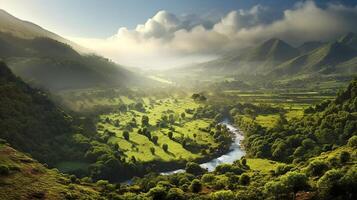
x=170, y=134
x=329, y=184
x=126, y=135
x=223, y=195
x=282, y=169
x=154, y=139
x=165, y=147
x=152, y=150
x=244, y=179
x=194, y=168
x=208, y=178
x=352, y=142
x=295, y=181
x=317, y=168
x=196, y=186
x=157, y=193
x=344, y=156
x=175, y=194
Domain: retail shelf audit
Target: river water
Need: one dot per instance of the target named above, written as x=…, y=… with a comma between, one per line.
x=235, y=152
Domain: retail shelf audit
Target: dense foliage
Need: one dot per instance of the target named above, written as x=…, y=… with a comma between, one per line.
x=324, y=127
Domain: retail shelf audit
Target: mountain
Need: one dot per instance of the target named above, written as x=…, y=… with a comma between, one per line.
x=271, y=51
x=309, y=46
x=322, y=60
x=48, y=61
x=259, y=59
x=53, y=65
x=30, y=122
x=27, y=30
x=349, y=39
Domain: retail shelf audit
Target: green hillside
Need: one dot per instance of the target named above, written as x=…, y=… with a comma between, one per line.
x=27, y=30
x=53, y=65
x=22, y=177
x=349, y=39
x=322, y=60
x=309, y=46
x=260, y=59
x=31, y=122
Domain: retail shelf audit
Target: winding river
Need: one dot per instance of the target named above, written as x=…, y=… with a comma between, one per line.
x=235, y=153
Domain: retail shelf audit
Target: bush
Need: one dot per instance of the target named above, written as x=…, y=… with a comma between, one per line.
x=295, y=181
x=152, y=150
x=317, y=168
x=196, y=186
x=282, y=169
x=344, y=156
x=126, y=135
x=194, y=168
x=154, y=139
x=276, y=189
x=352, y=142
x=208, y=178
x=165, y=147
x=170, y=134
x=329, y=184
x=157, y=193
x=244, y=179
x=175, y=194
x=223, y=195
x=4, y=170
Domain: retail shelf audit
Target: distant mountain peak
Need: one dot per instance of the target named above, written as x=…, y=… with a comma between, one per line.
x=349, y=39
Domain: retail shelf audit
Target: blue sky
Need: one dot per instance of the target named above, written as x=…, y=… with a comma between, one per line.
x=102, y=18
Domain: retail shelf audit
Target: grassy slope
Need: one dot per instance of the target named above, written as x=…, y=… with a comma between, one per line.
x=28, y=179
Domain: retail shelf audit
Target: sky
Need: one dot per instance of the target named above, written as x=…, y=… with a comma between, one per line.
x=168, y=33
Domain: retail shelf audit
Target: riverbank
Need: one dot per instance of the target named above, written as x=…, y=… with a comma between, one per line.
x=235, y=152
x=228, y=156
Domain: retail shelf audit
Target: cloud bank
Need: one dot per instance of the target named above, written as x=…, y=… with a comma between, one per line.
x=167, y=40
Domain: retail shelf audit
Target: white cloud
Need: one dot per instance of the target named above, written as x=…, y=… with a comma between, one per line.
x=167, y=40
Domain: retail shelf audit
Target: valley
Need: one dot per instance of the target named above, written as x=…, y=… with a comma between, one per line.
x=215, y=111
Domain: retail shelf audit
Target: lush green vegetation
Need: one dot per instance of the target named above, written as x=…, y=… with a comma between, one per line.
x=113, y=136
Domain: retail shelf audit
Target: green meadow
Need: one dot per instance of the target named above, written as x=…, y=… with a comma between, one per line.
x=140, y=146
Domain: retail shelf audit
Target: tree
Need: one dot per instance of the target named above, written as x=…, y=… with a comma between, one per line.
x=244, y=161
x=157, y=193
x=183, y=115
x=126, y=135
x=194, y=168
x=165, y=147
x=175, y=194
x=154, y=139
x=171, y=119
x=352, y=142
x=344, y=156
x=329, y=184
x=195, y=96
x=196, y=186
x=170, y=134
x=145, y=120
x=244, y=179
x=295, y=181
x=152, y=150
x=317, y=168
x=276, y=189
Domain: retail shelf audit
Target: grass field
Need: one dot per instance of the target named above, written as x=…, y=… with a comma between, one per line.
x=140, y=146
x=262, y=165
